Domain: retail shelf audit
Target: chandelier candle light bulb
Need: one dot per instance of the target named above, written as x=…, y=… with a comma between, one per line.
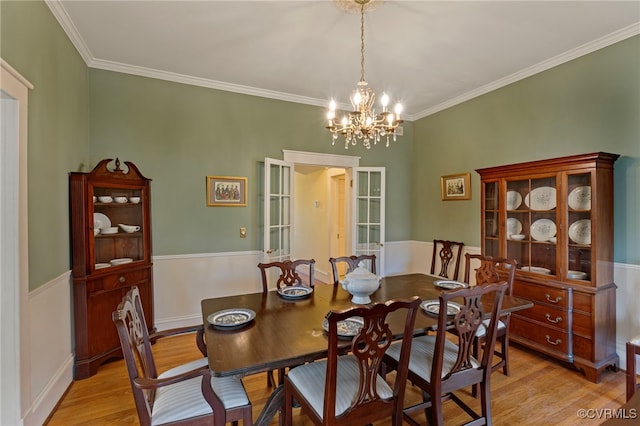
x=363, y=123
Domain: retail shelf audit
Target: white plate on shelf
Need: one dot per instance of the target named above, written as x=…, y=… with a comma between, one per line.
x=543, y=229
x=577, y=275
x=537, y=269
x=514, y=199
x=120, y=261
x=102, y=265
x=580, y=231
x=514, y=226
x=580, y=198
x=101, y=221
x=542, y=198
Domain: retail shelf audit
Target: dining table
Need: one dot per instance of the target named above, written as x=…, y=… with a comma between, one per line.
x=288, y=331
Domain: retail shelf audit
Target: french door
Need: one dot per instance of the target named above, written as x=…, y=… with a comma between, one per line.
x=278, y=202
x=368, y=213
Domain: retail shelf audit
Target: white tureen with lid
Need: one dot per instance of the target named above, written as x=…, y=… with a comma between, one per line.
x=361, y=283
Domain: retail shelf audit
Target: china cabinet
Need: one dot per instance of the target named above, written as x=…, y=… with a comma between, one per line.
x=555, y=218
x=111, y=252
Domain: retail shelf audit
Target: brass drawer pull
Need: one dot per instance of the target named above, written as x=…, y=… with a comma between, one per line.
x=555, y=321
x=556, y=300
x=122, y=279
x=556, y=343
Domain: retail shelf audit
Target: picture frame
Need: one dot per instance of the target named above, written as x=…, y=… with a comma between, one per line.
x=226, y=191
x=456, y=187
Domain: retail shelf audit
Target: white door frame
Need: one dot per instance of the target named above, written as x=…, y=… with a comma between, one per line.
x=15, y=378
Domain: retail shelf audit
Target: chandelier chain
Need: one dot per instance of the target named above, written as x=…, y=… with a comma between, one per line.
x=362, y=42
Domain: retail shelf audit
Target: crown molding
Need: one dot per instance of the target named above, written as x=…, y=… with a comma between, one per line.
x=567, y=56
x=60, y=13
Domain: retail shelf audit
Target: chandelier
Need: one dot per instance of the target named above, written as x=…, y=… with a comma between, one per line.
x=363, y=123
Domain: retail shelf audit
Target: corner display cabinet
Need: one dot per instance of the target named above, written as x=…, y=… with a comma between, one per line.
x=111, y=251
x=555, y=217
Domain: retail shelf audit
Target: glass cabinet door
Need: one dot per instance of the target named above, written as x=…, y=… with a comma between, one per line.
x=531, y=226
x=579, y=226
x=491, y=246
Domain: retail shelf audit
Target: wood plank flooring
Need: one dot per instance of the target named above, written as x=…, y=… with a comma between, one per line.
x=540, y=391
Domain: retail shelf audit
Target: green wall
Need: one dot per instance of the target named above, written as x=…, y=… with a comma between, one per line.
x=178, y=134
x=35, y=45
x=586, y=105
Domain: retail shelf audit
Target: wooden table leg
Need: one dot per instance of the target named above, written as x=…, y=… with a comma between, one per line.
x=274, y=405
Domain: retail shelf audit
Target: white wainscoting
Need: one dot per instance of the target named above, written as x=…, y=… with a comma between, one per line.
x=51, y=357
x=182, y=281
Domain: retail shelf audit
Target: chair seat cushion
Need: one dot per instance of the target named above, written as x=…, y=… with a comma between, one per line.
x=422, y=350
x=482, y=328
x=309, y=379
x=184, y=399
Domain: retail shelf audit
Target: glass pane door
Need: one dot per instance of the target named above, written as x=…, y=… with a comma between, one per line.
x=579, y=226
x=277, y=210
x=369, y=213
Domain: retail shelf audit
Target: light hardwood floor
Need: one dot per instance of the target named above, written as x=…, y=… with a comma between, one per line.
x=540, y=391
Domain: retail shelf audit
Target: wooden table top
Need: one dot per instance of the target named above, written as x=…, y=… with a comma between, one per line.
x=287, y=333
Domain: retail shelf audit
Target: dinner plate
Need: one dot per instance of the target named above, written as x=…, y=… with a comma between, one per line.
x=576, y=275
x=580, y=198
x=231, y=318
x=295, y=292
x=120, y=261
x=542, y=198
x=580, y=231
x=433, y=307
x=450, y=284
x=102, y=265
x=537, y=269
x=101, y=221
x=543, y=229
x=514, y=199
x=514, y=226
x=348, y=328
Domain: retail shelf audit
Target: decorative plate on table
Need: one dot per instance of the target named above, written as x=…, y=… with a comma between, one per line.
x=433, y=307
x=580, y=198
x=542, y=198
x=577, y=275
x=450, y=284
x=231, y=318
x=543, y=229
x=347, y=329
x=537, y=269
x=580, y=231
x=295, y=292
x=120, y=261
x=101, y=221
x=514, y=226
x=514, y=199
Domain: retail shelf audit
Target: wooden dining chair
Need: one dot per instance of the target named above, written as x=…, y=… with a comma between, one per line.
x=444, y=252
x=352, y=263
x=289, y=274
x=493, y=270
x=633, y=349
x=443, y=363
x=347, y=389
x=186, y=394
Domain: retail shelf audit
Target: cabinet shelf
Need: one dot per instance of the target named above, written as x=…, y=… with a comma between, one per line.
x=593, y=348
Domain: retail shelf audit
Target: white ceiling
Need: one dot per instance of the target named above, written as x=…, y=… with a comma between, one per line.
x=427, y=54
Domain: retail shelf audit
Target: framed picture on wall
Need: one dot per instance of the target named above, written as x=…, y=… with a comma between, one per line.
x=456, y=187
x=226, y=191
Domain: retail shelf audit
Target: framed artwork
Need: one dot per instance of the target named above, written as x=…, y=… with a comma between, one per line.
x=456, y=187
x=226, y=191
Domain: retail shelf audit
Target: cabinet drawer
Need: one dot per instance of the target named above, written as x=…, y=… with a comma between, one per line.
x=582, y=302
x=548, y=337
x=543, y=294
x=582, y=324
x=124, y=279
x=583, y=348
x=548, y=315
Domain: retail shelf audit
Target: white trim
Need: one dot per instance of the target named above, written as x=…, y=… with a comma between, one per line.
x=320, y=159
x=63, y=277
x=46, y=401
x=65, y=21
x=15, y=374
x=570, y=55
